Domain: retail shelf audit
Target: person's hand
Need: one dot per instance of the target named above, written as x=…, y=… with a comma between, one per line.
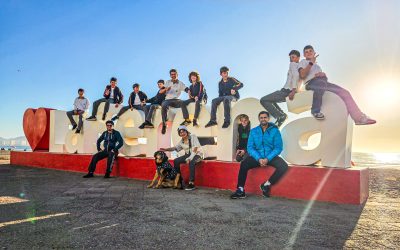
x=314, y=58
x=187, y=161
x=291, y=95
x=233, y=91
x=132, y=109
x=196, y=98
x=75, y=112
x=116, y=105
x=107, y=92
x=320, y=74
x=168, y=88
x=263, y=162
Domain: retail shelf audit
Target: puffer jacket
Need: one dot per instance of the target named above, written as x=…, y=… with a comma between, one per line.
x=266, y=144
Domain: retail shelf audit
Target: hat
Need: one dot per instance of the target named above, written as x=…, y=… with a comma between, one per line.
x=182, y=128
x=109, y=122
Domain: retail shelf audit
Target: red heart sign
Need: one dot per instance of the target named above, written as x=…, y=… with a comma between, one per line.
x=36, y=128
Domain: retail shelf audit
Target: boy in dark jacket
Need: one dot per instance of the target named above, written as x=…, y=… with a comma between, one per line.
x=243, y=136
x=112, y=94
x=137, y=100
x=196, y=93
x=228, y=92
x=155, y=102
x=264, y=146
x=112, y=143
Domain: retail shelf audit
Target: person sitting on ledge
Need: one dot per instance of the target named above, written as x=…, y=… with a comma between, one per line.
x=242, y=138
x=112, y=143
x=112, y=94
x=193, y=153
x=81, y=104
x=317, y=81
x=228, y=91
x=155, y=102
x=196, y=94
x=264, y=146
x=137, y=100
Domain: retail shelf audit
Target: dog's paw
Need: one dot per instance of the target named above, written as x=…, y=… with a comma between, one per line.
x=149, y=186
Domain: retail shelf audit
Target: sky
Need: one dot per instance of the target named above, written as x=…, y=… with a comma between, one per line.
x=49, y=49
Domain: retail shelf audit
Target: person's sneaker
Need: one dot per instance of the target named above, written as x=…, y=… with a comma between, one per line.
x=239, y=194
x=266, y=190
x=280, y=120
x=365, y=120
x=91, y=118
x=318, y=116
x=164, y=129
x=226, y=124
x=78, y=131
x=89, y=175
x=114, y=118
x=149, y=125
x=211, y=123
x=190, y=186
x=195, y=124
x=107, y=175
x=104, y=117
x=142, y=126
x=186, y=122
x=74, y=126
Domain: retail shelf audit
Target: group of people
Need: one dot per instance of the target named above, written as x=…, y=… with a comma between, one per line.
x=259, y=146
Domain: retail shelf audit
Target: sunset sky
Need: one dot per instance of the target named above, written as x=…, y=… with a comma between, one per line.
x=49, y=49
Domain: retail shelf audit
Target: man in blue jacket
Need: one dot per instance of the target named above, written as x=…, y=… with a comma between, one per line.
x=112, y=143
x=264, y=146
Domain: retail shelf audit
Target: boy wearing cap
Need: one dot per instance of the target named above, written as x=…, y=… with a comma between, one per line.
x=112, y=143
x=137, y=100
x=228, y=92
x=155, y=102
x=112, y=94
x=81, y=104
x=292, y=85
x=193, y=153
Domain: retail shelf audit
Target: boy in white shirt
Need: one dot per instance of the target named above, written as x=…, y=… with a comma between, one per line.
x=81, y=104
x=317, y=81
x=292, y=85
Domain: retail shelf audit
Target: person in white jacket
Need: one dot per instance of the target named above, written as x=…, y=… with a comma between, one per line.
x=194, y=153
x=81, y=104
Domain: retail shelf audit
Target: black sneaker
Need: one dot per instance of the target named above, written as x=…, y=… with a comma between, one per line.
x=104, y=117
x=266, y=190
x=89, y=175
x=91, y=118
x=280, y=120
x=226, y=124
x=164, y=129
x=239, y=194
x=211, y=123
x=190, y=186
x=107, y=175
x=78, y=131
x=195, y=123
x=74, y=126
x=114, y=118
x=142, y=126
x=186, y=122
x=149, y=125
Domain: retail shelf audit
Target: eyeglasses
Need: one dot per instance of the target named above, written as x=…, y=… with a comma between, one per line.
x=109, y=125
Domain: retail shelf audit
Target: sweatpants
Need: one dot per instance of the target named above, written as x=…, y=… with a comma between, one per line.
x=100, y=156
x=227, y=107
x=182, y=159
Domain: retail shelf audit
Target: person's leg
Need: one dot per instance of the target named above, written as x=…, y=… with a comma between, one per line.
x=71, y=119
x=122, y=110
x=164, y=109
x=227, y=108
x=280, y=169
x=96, y=105
x=245, y=166
x=110, y=162
x=345, y=95
x=269, y=102
x=317, y=85
x=107, y=107
x=197, y=109
x=152, y=108
x=80, y=122
x=178, y=161
x=184, y=108
x=214, y=105
x=96, y=158
x=192, y=165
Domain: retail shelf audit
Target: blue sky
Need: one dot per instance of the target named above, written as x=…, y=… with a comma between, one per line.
x=48, y=49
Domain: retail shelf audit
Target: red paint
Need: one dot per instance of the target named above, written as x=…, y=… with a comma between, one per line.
x=36, y=124
x=348, y=186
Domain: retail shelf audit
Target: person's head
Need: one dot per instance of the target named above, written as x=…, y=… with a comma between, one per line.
x=113, y=81
x=81, y=92
x=294, y=56
x=263, y=117
x=160, y=83
x=244, y=120
x=173, y=73
x=194, y=77
x=224, y=72
x=308, y=52
x=136, y=87
x=183, y=132
x=109, y=125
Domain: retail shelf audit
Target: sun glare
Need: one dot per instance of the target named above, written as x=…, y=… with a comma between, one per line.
x=383, y=92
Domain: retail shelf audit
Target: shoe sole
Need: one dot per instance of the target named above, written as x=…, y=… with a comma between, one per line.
x=367, y=123
x=235, y=198
x=189, y=189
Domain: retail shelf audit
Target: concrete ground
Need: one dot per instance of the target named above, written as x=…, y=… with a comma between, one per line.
x=63, y=210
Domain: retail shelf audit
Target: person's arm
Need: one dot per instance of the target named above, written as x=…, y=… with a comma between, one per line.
x=293, y=79
x=220, y=89
x=238, y=85
x=76, y=103
x=144, y=97
x=87, y=104
x=120, y=141
x=251, y=147
x=162, y=90
x=121, y=96
x=169, y=149
x=305, y=69
x=201, y=88
x=130, y=100
x=106, y=93
x=278, y=146
x=101, y=138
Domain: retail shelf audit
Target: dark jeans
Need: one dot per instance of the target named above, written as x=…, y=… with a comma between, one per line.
x=320, y=85
x=126, y=108
x=150, y=111
x=71, y=119
x=106, y=105
x=192, y=164
x=269, y=102
x=227, y=107
x=175, y=103
x=185, y=111
x=100, y=156
x=278, y=163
